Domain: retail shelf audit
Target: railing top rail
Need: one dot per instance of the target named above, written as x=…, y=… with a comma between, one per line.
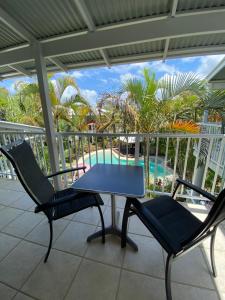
x=98, y=134
x=22, y=132
x=179, y=135
x=19, y=127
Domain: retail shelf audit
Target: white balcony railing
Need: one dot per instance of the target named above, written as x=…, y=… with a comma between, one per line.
x=190, y=156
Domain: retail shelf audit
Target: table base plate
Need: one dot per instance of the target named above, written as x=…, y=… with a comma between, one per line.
x=112, y=230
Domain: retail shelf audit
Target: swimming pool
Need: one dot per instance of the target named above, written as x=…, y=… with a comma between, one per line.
x=99, y=158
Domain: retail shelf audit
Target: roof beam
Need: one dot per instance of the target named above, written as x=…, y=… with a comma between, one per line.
x=105, y=57
x=20, y=70
x=195, y=51
x=172, y=15
x=58, y=63
x=159, y=30
x=15, y=26
x=166, y=48
x=91, y=25
x=85, y=14
x=174, y=8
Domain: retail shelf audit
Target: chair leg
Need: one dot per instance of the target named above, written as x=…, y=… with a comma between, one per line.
x=168, y=277
x=124, y=224
x=102, y=222
x=50, y=241
x=212, y=254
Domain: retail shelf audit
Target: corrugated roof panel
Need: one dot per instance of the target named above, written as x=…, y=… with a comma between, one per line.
x=5, y=69
x=184, y=5
x=80, y=57
x=31, y=64
x=197, y=41
x=148, y=47
x=108, y=12
x=45, y=18
x=8, y=37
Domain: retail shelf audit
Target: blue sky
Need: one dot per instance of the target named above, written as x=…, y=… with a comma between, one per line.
x=94, y=81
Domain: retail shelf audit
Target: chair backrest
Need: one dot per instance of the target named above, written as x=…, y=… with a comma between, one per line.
x=217, y=212
x=215, y=216
x=28, y=171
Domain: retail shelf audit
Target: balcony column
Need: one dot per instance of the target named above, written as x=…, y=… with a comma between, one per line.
x=47, y=111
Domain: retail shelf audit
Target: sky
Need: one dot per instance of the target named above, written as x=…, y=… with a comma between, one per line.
x=95, y=81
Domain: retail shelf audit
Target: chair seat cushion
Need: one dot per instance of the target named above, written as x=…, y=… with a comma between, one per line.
x=177, y=221
x=76, y=202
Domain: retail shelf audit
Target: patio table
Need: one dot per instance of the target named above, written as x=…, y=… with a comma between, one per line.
x=122, y=180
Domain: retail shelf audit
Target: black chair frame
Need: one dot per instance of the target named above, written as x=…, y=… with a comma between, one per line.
x=207, y=229
x=48, y=207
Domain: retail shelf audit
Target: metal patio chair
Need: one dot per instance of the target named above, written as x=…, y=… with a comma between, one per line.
x=54, y=204
x=175, y=228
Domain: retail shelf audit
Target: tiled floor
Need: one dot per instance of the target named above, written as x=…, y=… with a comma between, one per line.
x=77, y=270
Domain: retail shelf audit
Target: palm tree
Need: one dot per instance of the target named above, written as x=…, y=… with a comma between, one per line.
x=215, y=100
x=164, y=101
x=160, y=103
x=62, y=101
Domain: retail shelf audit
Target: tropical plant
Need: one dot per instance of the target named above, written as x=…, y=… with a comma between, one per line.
x=62, y=104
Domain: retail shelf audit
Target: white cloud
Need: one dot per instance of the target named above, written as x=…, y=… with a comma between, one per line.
x=127, y=76
x=104, y=80
x=208, y=63
x=77, y=74
x=90, y=95
x=160, y=66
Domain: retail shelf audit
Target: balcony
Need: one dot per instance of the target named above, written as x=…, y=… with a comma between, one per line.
x=77, y=270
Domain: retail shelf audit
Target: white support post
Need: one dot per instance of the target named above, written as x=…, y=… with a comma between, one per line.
x=47, y=111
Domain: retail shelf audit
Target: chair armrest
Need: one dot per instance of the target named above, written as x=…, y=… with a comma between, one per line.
x=66, y=171
x=196, y=189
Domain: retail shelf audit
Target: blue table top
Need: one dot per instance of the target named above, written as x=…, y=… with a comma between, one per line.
x=121, y=180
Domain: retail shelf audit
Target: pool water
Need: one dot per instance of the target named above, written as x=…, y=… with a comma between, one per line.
x=99, y=158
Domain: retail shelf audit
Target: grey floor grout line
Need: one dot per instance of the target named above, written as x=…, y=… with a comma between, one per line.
x=120, y=275
x=111, y=265
x=16, y=290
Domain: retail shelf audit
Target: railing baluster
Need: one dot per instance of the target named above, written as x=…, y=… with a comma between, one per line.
x=197, y=160
x=103, y=149
x=137, y=150
x=62, y=156
x=96, y=149
x=148, y=161
x=89, y=151
x=82, y=150
x=165, y=164
x=111, y=148
x=218, y=165
x=185, y=163
x=207, y=162
x=156, y=163
x=8, y=163
x=76, y=151
x=175, y=165
x=119, y=150
x=127, y=149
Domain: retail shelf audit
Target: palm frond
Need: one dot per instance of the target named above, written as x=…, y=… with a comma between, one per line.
x=174, y=85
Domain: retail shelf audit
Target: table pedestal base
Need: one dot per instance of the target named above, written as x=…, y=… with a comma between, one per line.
x=112, y=230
